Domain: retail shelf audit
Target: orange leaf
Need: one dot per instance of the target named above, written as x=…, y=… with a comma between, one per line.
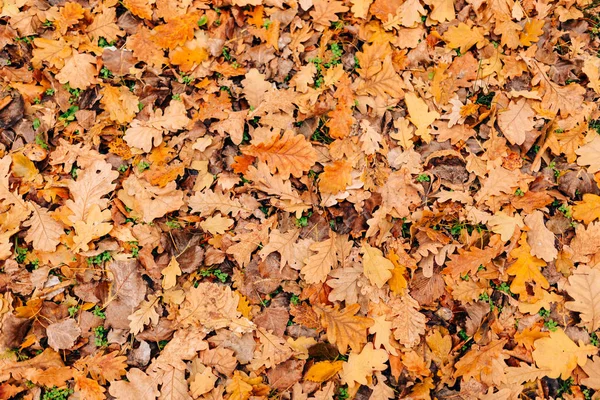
x=336, y=177
x=288, y=154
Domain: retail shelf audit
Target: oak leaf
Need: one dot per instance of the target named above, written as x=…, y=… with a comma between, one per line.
x=49, y=51
x=285, y=245
x=139, y=386
x=140, y=8
x=103, y=367
x=360, y=367
x=560, y=354
x=144, y=48
x=485, y=364
x=335, y=177
x=91, y=186
x=176, y=31
x=121, y=104
x=212, y=306
x=591, y=67
x=317, y=266
x=584, y=288
x=95, y=225
x=587, y=210
x=217, y=224
x=383, y=82
x=526, y=268
x=344, y=328
x=592, y=369
x=420, y=115
x=470, y=260
x=588, y=155
x=238, y=388
x=324, y=12
x=382, y=329
x=207, y=201
x=170, y=273
x=323, y=371
x=104, y=25
x=88, y=388
x=516, y=121
x=463, y=37
x=44, y=231
x=540, y=238
x=345, y=284
x=255, y=87
x=376, y=267
x=79, y=71
x=273, y=350
x=531, y=32
x=288, y=154
x=145, y=315
x=150, y=202
x=408, y=323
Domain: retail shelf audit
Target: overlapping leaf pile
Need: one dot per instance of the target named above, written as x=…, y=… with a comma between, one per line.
x=299, y=199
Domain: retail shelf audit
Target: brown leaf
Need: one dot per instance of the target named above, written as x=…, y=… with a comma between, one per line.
x=344, y=328
x=63, y=335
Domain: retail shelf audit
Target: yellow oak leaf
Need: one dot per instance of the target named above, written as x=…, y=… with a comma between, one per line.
x=69, y=15
x=464, y=37
x=592, y=369
x=217, y=224
x=340, y=122
x=540, y=238
x=335, y=177
x=591, y=67
x=323, y=371
x=588, y=209
x=170, y=274
x=140, y=8
x=104, y=25
x=420, y=115
x=442, y=10
x=79, y=71
x=238, y=388
x=485, y=364
x=176, y=31
x=145, y=315
x=93, y=227
x=88, y=388
x=92, y=184
x=23, y=167
x=588, y=155
x=526, y=268
x=103, y=367
x=397, y=282
x=382, y=329
x=531, y=32
x=344, y=328
x=51, y=52
x=360, y=8
x=560, y=354
x=360, y=367
x=121, y=104
x=376, y=267
x=188, y=57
